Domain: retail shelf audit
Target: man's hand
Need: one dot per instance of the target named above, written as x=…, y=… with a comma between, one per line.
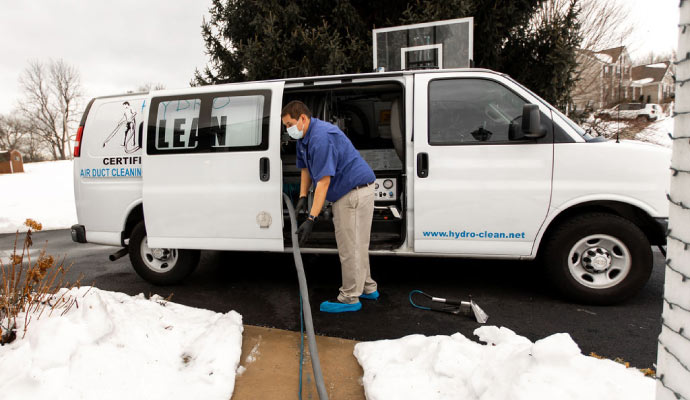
x=304, y=231
x=301, y=205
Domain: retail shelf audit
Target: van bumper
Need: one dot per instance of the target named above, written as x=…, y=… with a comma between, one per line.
x=78, y=233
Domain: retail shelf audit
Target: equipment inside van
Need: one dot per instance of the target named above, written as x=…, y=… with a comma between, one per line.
x=371, y=116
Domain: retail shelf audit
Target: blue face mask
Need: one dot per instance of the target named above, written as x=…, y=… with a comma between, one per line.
x=295, y=133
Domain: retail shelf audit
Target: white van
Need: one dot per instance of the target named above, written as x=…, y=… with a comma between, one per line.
x=469, y=163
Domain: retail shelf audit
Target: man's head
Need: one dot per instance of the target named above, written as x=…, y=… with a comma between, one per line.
x=296, y=117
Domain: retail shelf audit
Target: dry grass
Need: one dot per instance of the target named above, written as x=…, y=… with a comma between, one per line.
x=31, y=288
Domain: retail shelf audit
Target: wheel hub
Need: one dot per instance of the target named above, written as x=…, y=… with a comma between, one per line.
x=596, y=260
x=160, y=254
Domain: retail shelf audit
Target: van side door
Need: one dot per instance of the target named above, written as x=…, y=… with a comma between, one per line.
x=211, y=168
x=477, y=190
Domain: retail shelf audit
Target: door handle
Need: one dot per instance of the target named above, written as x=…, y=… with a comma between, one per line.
x=264, y=169
x=422, y=165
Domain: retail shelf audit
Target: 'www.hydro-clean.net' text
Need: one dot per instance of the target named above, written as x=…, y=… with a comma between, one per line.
x=451, y=234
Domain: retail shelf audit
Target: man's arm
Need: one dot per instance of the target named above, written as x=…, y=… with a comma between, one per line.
x=305, y=183
x=320, y=195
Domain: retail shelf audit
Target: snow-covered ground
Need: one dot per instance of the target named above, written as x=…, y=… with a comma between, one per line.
x=508, y=366
x=114, y=346
x=657, y=132
x=44, y=193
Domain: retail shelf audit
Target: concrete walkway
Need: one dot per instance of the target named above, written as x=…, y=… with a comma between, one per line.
x=271, y=359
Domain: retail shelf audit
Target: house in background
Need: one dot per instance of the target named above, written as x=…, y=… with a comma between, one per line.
x=605, y=78
x=652, y=83
x=11, y=162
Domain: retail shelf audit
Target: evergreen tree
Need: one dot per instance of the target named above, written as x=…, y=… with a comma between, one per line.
x=543, y=56
x=266, y=39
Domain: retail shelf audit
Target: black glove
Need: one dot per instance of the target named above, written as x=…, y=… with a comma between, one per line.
x=304, y=231
x=301, y=205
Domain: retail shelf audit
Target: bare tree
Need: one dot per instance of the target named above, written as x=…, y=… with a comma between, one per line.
x=33, y=148
x=604, y=24
x=149, y=86
x=13, y=132
x=656, y=57
x=51, y=97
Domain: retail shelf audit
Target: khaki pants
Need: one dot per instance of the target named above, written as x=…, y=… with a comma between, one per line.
x=352, y=215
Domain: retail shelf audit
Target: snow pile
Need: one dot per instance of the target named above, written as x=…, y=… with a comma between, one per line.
x=657, y=132
x=114, y=346
x=509, y=366
x=44, y=192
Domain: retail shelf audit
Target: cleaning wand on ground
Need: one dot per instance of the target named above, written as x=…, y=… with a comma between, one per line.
x=451, y=305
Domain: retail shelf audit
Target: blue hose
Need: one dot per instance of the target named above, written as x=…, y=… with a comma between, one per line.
x=416, y=305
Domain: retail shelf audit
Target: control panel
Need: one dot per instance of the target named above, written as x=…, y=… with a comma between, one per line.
x=386, y=189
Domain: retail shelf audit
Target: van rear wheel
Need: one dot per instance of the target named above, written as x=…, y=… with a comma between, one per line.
x=159, y=266
x=598, y=258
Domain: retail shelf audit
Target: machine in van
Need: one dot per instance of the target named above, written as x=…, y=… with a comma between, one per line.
x=469, y=163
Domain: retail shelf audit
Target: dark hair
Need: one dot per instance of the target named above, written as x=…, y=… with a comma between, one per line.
x=125, y=103
x=294, y=109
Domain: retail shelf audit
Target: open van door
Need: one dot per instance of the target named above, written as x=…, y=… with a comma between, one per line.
x=211, y=168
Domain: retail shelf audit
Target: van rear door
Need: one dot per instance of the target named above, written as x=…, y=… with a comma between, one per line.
x=212, y=172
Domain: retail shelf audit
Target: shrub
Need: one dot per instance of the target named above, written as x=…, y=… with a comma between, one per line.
x=30, y=287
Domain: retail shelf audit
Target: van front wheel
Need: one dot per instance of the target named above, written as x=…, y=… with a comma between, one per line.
x=598, y=258
x=159, y=266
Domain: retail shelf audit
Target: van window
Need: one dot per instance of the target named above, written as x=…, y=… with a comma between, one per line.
x=467, y=111
x=236, y=121
x=209, y=123
x=177, y=124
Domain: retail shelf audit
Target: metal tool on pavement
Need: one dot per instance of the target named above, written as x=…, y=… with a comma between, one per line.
x=451, y=305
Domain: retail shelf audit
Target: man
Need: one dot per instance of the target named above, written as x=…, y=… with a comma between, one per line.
x=327, y=157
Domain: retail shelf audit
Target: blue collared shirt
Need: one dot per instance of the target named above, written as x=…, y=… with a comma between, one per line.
x=326, y=151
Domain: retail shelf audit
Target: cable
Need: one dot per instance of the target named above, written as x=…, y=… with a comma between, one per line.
x=414, y=304
x=304, y=296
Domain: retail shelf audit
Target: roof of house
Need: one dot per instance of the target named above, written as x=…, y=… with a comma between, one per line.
x=6, y=155
x=610, y=55
x=650, y=73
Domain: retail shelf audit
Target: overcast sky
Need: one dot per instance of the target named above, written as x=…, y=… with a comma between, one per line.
x=119, y=45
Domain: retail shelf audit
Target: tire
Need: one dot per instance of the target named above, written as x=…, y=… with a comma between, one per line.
x=598, y=258
x=172, y=266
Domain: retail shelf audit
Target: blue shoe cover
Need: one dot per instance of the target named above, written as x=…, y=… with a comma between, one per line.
x=371, y=296
x=338, y=307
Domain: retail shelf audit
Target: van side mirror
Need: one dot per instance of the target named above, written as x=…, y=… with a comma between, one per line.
x=531, y=122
